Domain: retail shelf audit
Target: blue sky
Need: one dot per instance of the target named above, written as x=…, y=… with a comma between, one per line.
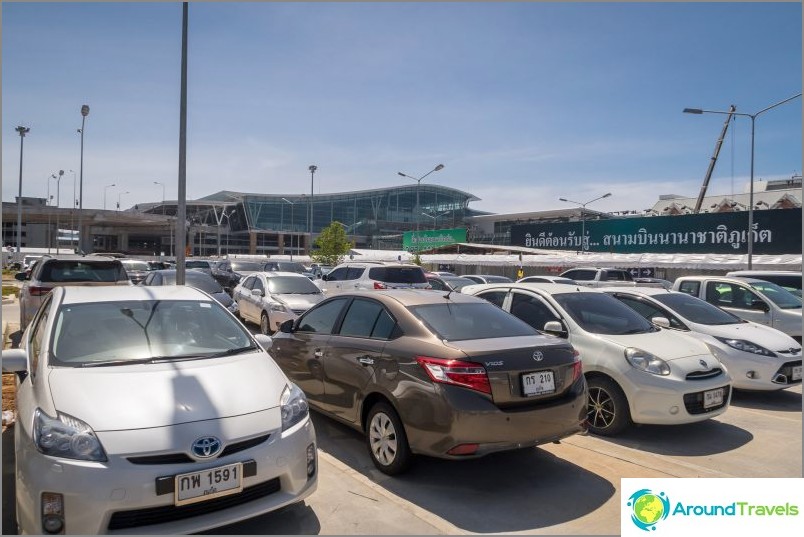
x=522, y=102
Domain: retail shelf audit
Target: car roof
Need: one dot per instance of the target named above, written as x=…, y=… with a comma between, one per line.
x=743, y=273
x=70, y=257
x=730, y=279
x=76, y=294
x=647, y=291
x=412, y=297
x=277, y=273
x=548, y=288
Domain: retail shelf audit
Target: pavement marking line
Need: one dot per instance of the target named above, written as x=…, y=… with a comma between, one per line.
x=434, y=520
x=362, y=496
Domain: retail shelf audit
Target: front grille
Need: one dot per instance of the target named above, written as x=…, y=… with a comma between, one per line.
x=299, y=311
x=787, y=371
x=693, y=402
x=161, y=515
x=703, y=375
x=182, y=458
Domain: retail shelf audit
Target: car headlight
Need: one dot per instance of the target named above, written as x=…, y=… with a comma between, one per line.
x=278, y=306
x=746, y=346
x=66, y=436
x=294, y=406
x=646, y=361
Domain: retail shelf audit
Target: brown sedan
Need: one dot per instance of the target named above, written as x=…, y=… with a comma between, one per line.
x=424, y=372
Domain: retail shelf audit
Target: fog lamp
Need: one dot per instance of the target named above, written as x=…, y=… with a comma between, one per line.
x=310, y=460
x=52, y=512
x=674, y=410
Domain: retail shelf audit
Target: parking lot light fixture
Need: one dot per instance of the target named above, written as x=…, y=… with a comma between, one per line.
x=119, y=196
x=418, y=180
x=698, y=111
x=107, y=187
x=22, y=132
x=584, y=242
x=84, y=114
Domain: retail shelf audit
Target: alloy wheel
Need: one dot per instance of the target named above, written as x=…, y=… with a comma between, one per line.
x=601, y=408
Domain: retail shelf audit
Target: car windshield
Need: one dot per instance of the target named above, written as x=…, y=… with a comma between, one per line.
x=599, y=313
x=196, y=264
x=287, y=266
x=459, y=322
x=247, y=266
x=696, y=310
x=497, y=279
x=121, y=332
x=135, y=265
x=82, y=271
x=289, y=285
x=398, y=274
x=457, y=283
x=779, y=295
x=197, y=280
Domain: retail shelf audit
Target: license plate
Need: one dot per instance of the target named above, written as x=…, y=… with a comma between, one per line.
x=713, y=398
x=538, y=383
x=208, y=484
x=796, y=375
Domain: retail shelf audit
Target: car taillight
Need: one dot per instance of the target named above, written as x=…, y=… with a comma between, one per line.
x=39, y=291
x=467, y=374
x=378, y=285
x=577, y=367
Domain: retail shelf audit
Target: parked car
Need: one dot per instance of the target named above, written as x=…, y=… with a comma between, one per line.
x=245, y=267
x=637, y=372
x=136, y=269
x=159, y=265
x=546, y=279
x=607, y=277
x=789, y=279
x=447, y=283
x=758, y=357
x=196, y=279
x=753, y=300
x=271, y=298
x=224, y=274
x=419, y=373
x=284, y=266
x=203, y=265
x=52, y=271
x=488, y=278
x=355, y=276
x=152, y=410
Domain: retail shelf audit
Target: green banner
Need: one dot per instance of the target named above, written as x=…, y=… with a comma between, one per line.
x=776, y=231
x=428, y=239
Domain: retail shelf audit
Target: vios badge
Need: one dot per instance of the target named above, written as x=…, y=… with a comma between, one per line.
x=206, y=446
x=538, y=356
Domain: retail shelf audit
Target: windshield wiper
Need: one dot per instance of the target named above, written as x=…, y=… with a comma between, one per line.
x=119, y=361
x=230, y=352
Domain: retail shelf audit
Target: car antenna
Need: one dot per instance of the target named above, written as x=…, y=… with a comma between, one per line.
x=448, y=293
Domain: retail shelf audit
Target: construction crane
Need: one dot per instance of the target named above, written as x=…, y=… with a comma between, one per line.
x=713, y=160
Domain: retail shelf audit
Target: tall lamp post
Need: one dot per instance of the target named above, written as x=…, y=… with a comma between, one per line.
x=84, y=114
x=170, y=232
x=584, y=242
x=291, y=226
x=49, y=203
x=418, y=187
x=751, y=185
x=73, y=205
x=119, y=196
x=58, y=206
x=107, y=187
x=312, y=169
x=22, y=132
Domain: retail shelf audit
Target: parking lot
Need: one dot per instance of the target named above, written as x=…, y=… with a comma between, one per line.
x=567, y=488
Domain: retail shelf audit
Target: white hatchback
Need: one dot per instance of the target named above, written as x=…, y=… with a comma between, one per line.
x=636, y=372
x=152, y=410
x=758, y=357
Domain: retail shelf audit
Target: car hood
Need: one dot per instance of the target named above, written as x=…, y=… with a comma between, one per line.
x=158, y=395
x=665, y=344
x=298, y=302
x=768, y=337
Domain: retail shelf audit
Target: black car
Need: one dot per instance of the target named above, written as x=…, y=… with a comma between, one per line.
x=196, y=279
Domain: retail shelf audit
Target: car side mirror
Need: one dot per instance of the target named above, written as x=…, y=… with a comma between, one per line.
x=325, y=277
x=21, y=276
x=760, y=305
x=286, y=327
x=662, y=322
x=257, y=292
x=266, y=342
x=555, y=328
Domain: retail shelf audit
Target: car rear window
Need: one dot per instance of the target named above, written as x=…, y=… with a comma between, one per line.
x=82, y=271
x=398, y=274
x=458, y=322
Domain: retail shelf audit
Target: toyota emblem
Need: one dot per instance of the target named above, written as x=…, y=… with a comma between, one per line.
x=206, y=447
x=703, y=363
x=538, y=356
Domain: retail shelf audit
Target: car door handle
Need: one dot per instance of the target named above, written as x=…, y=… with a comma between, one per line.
x=366, y=360
x=318, y=353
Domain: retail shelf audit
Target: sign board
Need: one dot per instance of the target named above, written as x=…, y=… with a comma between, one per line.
x=776, y=231
x=428, y=239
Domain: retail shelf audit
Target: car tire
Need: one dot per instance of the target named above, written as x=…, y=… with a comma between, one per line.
x=265, y=324
x=386, y=440
x=608, y=412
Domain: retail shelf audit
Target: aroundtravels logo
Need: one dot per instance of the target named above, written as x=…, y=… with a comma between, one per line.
x=648, y=508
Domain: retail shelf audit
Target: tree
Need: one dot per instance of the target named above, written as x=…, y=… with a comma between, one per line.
x=332, y=245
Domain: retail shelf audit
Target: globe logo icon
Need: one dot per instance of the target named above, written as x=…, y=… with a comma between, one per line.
x=648, y=508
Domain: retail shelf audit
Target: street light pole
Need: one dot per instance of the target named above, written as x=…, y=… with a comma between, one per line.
x=418, y=186
x=73, y=205
x=104, y=194
x=584, y=242
x=58, y=206
x=22, y=132
x=312, y=169
x=163, y=214
x=119, y=196
x=49, y=234
x=750, y=249
x=291, y=226
x=84, y=114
